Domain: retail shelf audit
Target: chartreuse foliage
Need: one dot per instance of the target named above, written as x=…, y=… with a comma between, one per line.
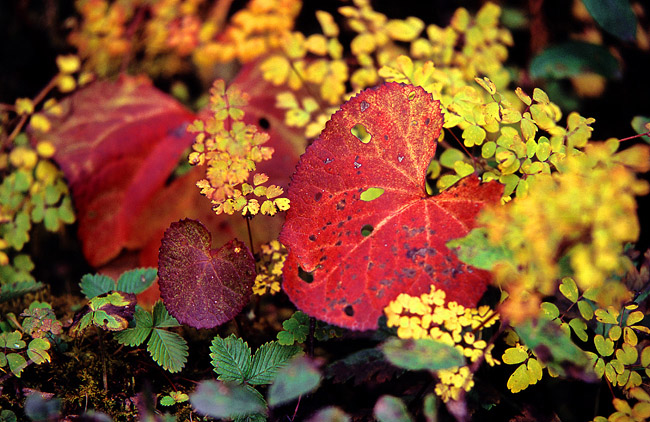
x=296, y=330
x=33, y=190
x=167, y=348
x=231, y=150
x=239, y=371
x=17, y=351
x=269, y=268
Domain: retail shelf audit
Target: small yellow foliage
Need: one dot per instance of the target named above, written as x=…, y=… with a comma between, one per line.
x=430, y=316
x=68, y=64
x=231, y=149
x=269, y=268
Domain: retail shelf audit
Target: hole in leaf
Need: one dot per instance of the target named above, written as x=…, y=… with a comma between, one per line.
x=305, y=276
x=348, y=310
x=371, y=193
x=366, y=230
x=361, y=133
x=411, y=95
x=264, y=123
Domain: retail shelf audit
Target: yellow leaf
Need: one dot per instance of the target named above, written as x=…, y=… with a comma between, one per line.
x=534, y=371
x=276, y=69
x=68, y=63
x=24, y=106
x=363, y=44
x=260, y=178
x=473, y=135
x=282, y=203
x=514, y=355
x=569, y=289
x=273, y=191
x=45, y=149
x=634, y=317
x=316, y=44
x=327, y=23
x=519, y=380
x=629, y=336
x=404, y=30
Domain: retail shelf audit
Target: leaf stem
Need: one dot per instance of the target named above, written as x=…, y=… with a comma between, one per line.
x=250, y=235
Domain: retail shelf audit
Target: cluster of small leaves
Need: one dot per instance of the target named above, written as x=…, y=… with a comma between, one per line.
x=230, y=149
x=234, y=363
x=619, y=357
x=133, y=281
x=33, y=189
x=41, y=325
x=469, y=46
x=584, y=228
x=108, y=311
x=269, y=268
x=168, y=36
x=296, y=330
x=430, y=316
x=167, y=348
x=173, y=398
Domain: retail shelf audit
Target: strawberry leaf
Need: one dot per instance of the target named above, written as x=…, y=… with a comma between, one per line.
x=200, y=287
x=361, y=228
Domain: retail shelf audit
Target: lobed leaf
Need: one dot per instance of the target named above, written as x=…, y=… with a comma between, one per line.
x=137, y=335
x=96, y=284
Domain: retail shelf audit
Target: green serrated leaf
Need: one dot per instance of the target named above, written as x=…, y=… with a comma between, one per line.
x=268, y=359
x=421, y=354
x=226, y=400
x=96, y=284
x=14, y=290
x=168, y=349
x=298, y=377
x=231, y=358
x=162, y=318
x=391, y=409
x=137, y=281
x=137, y=335
x=167, y=401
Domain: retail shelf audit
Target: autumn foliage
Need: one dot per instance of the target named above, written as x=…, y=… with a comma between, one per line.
x=375, y=217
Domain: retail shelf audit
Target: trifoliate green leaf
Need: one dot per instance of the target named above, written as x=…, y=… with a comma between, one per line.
x=421, y=354
x=136, y=281
x=298, y=377
x=96, y=284
x=226, y=400
x=231, y=358
x=162, y=318
x=140, y=332
x=268, y=359
x=168, y=349
x=296, y=329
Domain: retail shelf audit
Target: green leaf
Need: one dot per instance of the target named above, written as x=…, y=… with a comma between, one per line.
x=296, y=329
x=109, y=311
x=225, y=400
x=371, y=193
x=586, y=310
x=604, y=346
x=137, y=335
x=161, y=318
x=298, y=377
x=14, y=290
x=391, y=409
x=37, y=350
x=16, y=363
x=231, y=358
x=268, y=359
x=137, y=281
x=579, y=328
x=8, y=416
x=639, y=124
x=614, y=16
x=546, y=337
x=66, y=212
x=475, y=249
x=421, y=354
x=550, y=310
x=514, y=355
x=11, y=340
x=573, y=58
x=330, y=414
x=167, y=401
x=569, y=289
x=168, y=349
x=51, y=219
x=449, y=157
x=96, y=284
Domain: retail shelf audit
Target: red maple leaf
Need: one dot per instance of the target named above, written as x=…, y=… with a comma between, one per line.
x=350, y=254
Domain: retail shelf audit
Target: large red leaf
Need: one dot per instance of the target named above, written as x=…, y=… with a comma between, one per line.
x=117, y=143
x=348, y=256
x=201, y=287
